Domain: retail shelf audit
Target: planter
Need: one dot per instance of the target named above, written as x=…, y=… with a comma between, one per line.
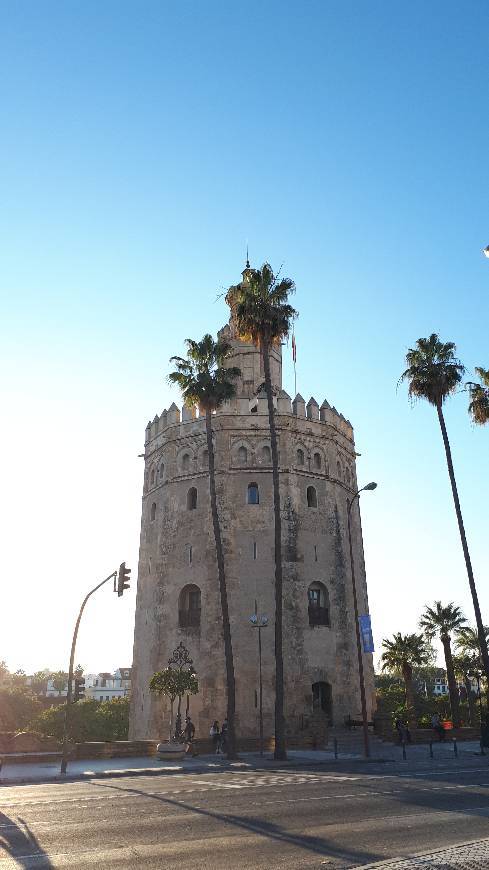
x=171, y=751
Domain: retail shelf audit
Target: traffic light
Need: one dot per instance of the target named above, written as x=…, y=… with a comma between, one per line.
x=123, y=579
x=79, y=693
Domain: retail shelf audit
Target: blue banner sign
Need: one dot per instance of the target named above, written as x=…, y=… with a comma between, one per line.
x=366, y=634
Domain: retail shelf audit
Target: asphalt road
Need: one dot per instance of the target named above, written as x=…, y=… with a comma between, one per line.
x=271, y=819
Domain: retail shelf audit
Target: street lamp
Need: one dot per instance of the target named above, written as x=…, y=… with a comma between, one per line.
x=259, y=622
x=369, y=487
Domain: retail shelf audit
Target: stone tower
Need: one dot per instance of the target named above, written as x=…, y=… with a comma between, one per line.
x=178, y=594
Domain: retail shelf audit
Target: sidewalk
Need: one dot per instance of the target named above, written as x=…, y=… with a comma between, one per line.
x=417, y=756
x=467, y=856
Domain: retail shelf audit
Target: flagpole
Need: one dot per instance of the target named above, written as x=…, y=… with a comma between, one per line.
x=294, y=357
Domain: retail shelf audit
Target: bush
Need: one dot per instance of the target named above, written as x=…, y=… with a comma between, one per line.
x=18, y=706
x=89, y=720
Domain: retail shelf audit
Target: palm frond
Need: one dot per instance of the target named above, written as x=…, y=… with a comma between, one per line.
x=433, y=371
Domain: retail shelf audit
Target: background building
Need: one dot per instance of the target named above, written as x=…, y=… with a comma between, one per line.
x=178, y=597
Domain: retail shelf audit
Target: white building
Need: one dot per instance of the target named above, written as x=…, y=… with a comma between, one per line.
x=101, y=687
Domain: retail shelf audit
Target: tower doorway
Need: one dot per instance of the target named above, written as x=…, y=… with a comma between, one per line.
x=322, y=700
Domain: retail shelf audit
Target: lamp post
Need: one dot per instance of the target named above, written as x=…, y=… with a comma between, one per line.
x=368, y=487
x=259, y=622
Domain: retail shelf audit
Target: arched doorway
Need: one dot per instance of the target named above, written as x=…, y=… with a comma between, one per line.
x=322, y=700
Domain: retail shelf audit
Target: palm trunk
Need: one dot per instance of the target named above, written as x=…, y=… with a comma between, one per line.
x=280, y=751
x=468, y=563
x=407, y=673
x=452, y=683
x=470, y=700
x=226, y=627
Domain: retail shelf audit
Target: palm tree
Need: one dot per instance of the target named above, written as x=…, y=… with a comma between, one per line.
x=467, y=641
x=262, y=313
x=479, y=397
x=401, y=655
x=433, y=374
x=443, y=621
x=205, y=381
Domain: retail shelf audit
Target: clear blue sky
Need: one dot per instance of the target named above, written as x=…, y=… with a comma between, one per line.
x=142, y=144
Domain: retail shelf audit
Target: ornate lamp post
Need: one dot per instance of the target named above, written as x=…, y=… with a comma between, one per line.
x=180, y=659
x=259, y=622
x=368, y=487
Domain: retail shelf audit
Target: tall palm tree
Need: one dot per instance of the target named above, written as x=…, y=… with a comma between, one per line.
x=262, y=313
x=434, y=373
x=479, y=397
x=205, y=381
x=401, y=655
x=443, y=621
x=467, y=641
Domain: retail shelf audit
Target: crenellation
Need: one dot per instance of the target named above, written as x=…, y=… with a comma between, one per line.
x=312, y=409
x=173, y=414
x=299, y=406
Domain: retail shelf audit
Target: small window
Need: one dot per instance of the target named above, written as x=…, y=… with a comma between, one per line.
x=253, y=494
x=242, y=456
x=192, y=499
x=185, y=462
x=189, y=607
x=315, y=553
x=266, y=454
x=190, y=554
x=153, y=512
x=255, y=550
x=300, y=457
x=205, y=459
x=162, y=470
x=312, y=498
x=318, y=604
x=338, y=469
x=152, y=479
x=317, y=461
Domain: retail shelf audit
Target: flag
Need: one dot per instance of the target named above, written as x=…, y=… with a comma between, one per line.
x=294, y=349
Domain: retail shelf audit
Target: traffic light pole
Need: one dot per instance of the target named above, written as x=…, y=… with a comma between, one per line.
x=64, y=758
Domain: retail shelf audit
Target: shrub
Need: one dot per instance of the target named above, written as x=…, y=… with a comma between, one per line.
x=89, y=720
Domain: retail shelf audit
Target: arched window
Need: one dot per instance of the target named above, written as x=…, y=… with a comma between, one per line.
x=317, y=461
x=322, y=700
x=338, y=469
x=253, y=494
x=312, y=497
x=300, y=457
x=152, y=478
x=162, y=470
x=189, y=607
x=318, y=604
x=192, y=499
x=153, y=512
x=242, y=455
x=266, y=454
x=185, y=462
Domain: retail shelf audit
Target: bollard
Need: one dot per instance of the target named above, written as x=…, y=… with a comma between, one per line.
x=455, y=747
x=336, y=748
x=431, y=749
x=404, y=756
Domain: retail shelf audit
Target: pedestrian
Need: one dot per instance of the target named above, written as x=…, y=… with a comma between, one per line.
x=215, y=736
x=189, y=733
x=224, y=735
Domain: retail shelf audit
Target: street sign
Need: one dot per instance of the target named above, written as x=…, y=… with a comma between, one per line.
x=366, y=634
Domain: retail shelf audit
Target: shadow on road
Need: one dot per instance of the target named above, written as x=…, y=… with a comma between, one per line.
x=259, y=826
x=18, y=841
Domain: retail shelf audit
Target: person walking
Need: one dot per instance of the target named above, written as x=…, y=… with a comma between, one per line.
x=224, y=736
x=215, y=736
x=189, y=733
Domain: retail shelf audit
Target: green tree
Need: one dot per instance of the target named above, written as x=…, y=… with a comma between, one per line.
x=434, y=373
x=90, y=720
x=467, y=642
x=60, y=681
x=39, y=681
x=206, y=381
x=262, y=314
x=174, y=683
x=78, y=671
x=479, y=397
x=444, y=621
x=401, y=655
x=18, y=705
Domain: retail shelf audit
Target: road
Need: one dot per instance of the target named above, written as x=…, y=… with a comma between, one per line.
x=271, y=819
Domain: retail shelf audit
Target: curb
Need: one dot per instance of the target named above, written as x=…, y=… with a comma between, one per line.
x=389, y=862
